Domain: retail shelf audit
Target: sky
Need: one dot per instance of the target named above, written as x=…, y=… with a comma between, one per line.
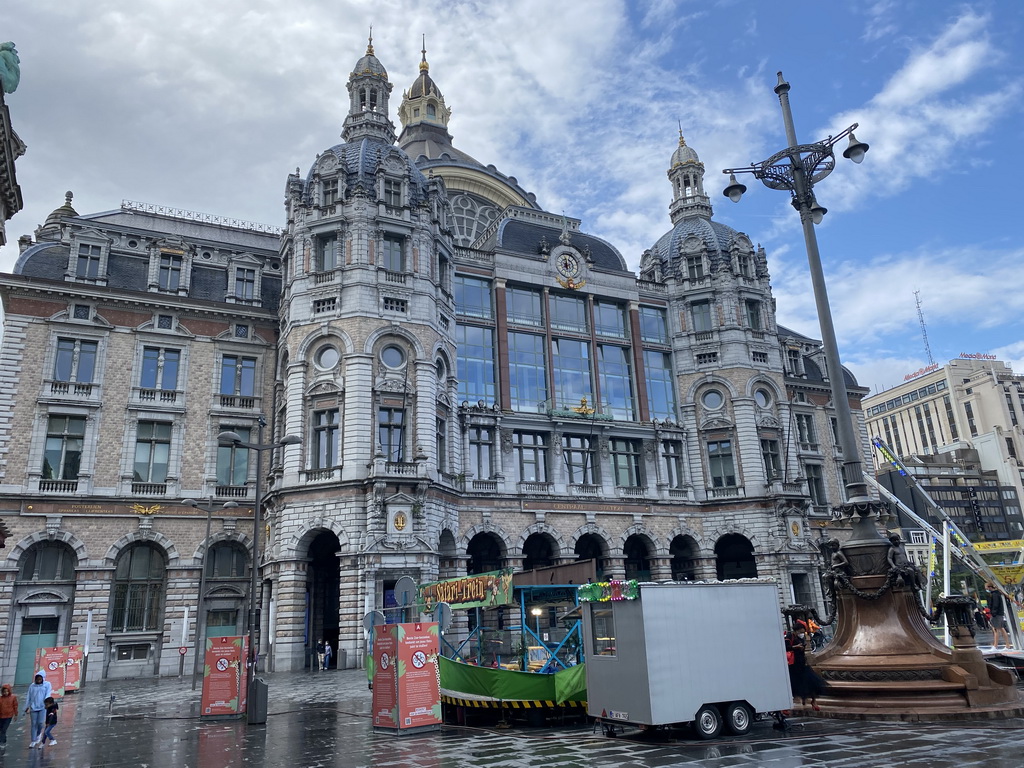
x=208, y=106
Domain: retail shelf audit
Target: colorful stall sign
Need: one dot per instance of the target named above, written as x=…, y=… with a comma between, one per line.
x=482, y=590
x=603, y=591
x=224, y=689
x=1013, y=545
x=406, y=686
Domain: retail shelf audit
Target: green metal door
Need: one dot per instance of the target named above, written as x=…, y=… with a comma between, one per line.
x=36, y=632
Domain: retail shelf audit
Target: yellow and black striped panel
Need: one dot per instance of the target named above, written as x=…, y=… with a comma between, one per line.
x=515, y=704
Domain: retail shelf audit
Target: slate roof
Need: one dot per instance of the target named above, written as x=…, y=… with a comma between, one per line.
x=360, y=160
x=526, y=237
x=718, y=239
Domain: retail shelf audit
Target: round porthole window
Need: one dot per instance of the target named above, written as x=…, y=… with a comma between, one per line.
x=392, y=357
x=712, y=399
x=763, y=397
x=327, y=357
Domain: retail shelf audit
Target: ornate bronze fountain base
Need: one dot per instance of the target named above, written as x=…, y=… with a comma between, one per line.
x=883, y=661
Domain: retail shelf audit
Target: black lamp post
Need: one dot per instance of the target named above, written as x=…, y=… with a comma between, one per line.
x=255, y=714
x=796, y=169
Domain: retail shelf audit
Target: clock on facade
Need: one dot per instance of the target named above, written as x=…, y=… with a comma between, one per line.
x=567, y=265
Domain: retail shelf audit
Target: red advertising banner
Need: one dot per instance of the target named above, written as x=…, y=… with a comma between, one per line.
x=385, y=678
x=224, y=689
x=419, y=691
x=73, y=667
x=406, y=685
x=53, y=661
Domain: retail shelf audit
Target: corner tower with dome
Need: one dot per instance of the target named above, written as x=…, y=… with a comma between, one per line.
x=478, y=384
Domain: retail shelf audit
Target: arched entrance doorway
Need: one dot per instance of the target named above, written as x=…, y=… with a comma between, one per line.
x=590, y=546
x=485, y=553
x=638, y=558
x=322, y=593
x=684, y=552
x=734, y=557
x=538, y=551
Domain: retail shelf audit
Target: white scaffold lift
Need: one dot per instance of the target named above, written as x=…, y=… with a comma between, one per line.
x=964, y=550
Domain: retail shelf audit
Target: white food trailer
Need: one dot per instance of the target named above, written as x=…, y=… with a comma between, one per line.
x=707, y=653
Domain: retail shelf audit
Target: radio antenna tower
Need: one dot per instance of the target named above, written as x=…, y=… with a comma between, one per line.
x=924, y=328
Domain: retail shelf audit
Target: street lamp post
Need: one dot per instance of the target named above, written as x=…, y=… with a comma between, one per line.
x=256, y=714
x=194, y=503
x=796, y=169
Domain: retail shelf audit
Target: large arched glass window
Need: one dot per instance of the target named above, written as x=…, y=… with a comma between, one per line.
x=47, y=561
x=226, y=561
x=138, y=590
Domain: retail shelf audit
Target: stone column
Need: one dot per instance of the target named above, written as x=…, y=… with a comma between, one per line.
x=661, y=568
x=614, y=567
x=290, y=625
x=350, y=618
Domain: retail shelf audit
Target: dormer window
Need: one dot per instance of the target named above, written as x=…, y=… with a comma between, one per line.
x=431, y=110
x=695, y=267
x=392, y=193
x=169, y=275
x=88, y=266
x=330, y=192
x=245, y=284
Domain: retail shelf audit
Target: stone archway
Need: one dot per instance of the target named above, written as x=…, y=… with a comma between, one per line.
x=734, y=557
x=590, y=546
x=637, y=556
x=685, y=553
x=323, y=590
x=486, y=553
x=539, y=551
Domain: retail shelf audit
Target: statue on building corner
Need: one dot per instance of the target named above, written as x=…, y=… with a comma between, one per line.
x=10, y=67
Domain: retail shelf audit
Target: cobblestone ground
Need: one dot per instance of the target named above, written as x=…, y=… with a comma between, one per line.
x=322, y=720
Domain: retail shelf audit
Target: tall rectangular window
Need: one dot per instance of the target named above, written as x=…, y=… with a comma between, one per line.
x=391, y=433
x=616, y=376
x=65, y=436
x=238, y=376
x=524, y=307
x=578, y=454
x=245, y=284
x=330, y=191
x=233, y=460
x=392, y=193
x=475, y=349
x=75, y=361
x=392, y=259
x=815, y=484
x=794, y=362
x=152, y=452
x=570, y=360
x=169, y=278
x=473, y=297
x=661, y=390
x=805, y=431
x=441, y=443
x=481, y=452
x=609, y=319
x=159, y=368
x=527, y=372
x=672, y=456
x=969, y=410
x=326, y=253
x=88, y=267
x=720, y=464
x=950, y=417
x=531, y=449
x=625, y=456
x=770, y=454
x=700, y=313
x=568, y=313
x=695, y=267
x=653, y=325
x=753, y=312
x=326, y=438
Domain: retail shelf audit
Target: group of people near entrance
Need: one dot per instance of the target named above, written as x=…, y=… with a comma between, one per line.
x=323, y=655
x=40, y=707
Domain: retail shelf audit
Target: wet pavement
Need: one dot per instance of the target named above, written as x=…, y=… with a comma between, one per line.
x=322, y=719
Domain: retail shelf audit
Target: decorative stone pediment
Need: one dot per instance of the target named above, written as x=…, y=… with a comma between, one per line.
x=769, y=422
x=716, y=422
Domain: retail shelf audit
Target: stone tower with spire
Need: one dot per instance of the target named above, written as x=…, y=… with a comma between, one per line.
x=366, y=375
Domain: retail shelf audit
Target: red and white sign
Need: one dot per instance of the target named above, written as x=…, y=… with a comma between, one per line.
x=182, y=650
x=406, y=687
x=224, y=689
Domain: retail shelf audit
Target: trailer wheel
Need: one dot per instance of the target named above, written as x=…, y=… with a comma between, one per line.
x=738, y=718
x=708, y=722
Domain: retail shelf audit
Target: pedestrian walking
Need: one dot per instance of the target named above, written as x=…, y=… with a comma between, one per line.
x=320, y=655
x=8, y=710
x=51, y=721
x=998, y=619
x=804, y=681
x=35, y=706
x=327, y=654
